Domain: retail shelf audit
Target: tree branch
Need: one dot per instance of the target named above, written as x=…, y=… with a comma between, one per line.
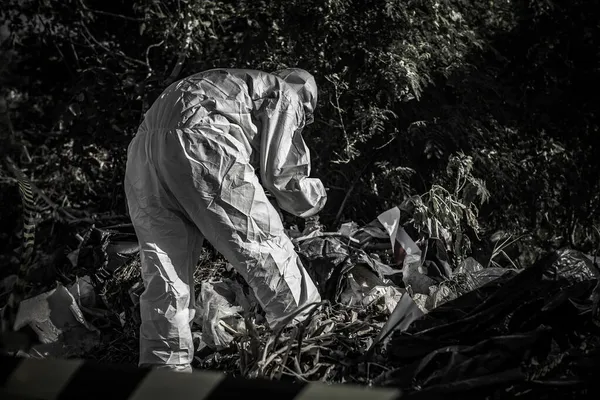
x=126, y=57
x=109, y=14
x=148, y=53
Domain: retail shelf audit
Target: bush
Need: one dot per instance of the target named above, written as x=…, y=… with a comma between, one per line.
x=403, y=86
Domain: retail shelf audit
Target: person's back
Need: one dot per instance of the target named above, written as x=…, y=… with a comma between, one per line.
x=191, y=175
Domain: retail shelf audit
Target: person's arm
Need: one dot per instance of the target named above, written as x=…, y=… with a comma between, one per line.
x=285, y=158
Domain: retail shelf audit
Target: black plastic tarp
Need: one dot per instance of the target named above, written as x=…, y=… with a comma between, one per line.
x=511, y=330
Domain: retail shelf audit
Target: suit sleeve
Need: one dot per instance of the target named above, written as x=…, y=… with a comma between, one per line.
x=285, y=158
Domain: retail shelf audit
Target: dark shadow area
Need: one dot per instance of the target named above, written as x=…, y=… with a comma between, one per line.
x=526, y=110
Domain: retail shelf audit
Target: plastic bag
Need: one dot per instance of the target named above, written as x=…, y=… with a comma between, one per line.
x=219, y=318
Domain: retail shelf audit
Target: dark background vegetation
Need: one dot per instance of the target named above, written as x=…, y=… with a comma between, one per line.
x=404, y=85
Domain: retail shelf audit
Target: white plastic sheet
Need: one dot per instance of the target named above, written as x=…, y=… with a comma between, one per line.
x=51, y=315
x=412, y=275
x=221, y=319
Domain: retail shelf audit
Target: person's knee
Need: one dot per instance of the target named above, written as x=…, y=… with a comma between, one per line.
x=167, y=301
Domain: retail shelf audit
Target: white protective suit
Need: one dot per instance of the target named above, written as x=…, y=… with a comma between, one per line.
x=191, y=175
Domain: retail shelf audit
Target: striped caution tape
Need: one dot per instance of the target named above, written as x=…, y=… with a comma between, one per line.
x=46, y=379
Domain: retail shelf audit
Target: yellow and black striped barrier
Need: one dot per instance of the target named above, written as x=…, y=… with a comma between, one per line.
x=49, y=379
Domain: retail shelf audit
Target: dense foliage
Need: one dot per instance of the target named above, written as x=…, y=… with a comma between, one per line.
x=404, y=85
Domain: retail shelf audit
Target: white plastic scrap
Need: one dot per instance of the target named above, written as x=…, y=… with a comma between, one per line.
x=421, y=301
x=412, y=275
x=368, y=294
x=390, y=220
x=348, y=228
x=438, y=296
x=413, y=253
x=389, y=296
x=51, y=314
x=83, y=292
x=219, y=318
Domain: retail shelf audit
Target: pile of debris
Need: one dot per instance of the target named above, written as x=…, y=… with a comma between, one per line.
x=397, y=310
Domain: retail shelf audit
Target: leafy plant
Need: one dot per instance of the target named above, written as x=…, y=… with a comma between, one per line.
x=451, y=214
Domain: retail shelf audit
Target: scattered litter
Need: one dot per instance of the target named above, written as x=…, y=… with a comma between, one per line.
x=469, y=266
x=327, y=260
x=51, y=314
x=390, y=220
x=198, y=342
x=404, y=314
x=439, y=295
x=59, y=324
x=102, y=252
x=387, y=296
x=517, y=326
x=401, y=311
x=422, y=301
x=83, y=292
x=219, y=318
x=348, y=229
x=437, y=262
x=312, y=225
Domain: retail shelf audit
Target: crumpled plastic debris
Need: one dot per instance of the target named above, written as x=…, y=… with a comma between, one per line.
x=102, y=252
x=411, y=250
x=404, y=314
x=388, y=296
x=51, y=314
x=220, y=318
x=394, y=275
x=404, y=250
x=436, y=264
x=349, y=276
x=372, y=233
x=312, y=225
x=421, y=300
x=469, y=266
x=468, y=276
x=366, y=288
x=327, y=260
x=414, y=271
x=83, y=292
x=513, y=327
x=332, y=263
x=348, y=229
